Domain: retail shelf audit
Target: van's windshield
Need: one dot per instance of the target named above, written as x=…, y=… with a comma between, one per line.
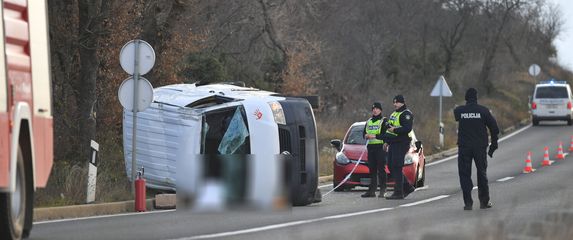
x=551, y=92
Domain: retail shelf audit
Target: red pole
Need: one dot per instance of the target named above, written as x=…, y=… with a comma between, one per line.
x=140, y=205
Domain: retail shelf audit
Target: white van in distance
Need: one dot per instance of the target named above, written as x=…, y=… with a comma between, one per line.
x=552, y=100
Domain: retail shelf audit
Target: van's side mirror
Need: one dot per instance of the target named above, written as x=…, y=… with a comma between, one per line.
x=336, y=143
x=418, y=146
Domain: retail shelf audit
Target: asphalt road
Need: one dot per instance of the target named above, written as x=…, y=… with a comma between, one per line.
x=523, y=203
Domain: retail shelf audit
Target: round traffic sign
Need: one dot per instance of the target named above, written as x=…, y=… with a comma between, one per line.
x=145, y=94
x=146, y=57
x=534, y=70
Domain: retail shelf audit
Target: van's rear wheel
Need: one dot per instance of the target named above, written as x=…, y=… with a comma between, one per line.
x=13, y=205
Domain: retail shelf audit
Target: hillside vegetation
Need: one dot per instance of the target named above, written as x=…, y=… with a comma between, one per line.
x=348, y=52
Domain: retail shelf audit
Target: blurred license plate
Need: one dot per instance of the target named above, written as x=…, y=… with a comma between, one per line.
x=551, y=106
x=365, y=181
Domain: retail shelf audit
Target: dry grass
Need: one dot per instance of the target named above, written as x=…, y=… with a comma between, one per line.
x=328, y=128
x=66, y=186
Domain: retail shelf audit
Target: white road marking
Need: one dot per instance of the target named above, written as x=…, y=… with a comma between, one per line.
x=325, y=186
x=103, y=216
x=500, y=140
x=281, y=225
x=357, y=213
x=422, y=188
x=301, y=222
x=441, y=161
x=424, y=201
x=504, y=179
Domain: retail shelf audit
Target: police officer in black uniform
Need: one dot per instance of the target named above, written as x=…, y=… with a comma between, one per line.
x=375, y=126
x=472, y=144
x=398, y=137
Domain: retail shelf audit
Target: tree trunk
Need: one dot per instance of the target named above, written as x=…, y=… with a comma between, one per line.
x=154, y=31
x=64, y=66
x=508, y=7
x=91, y=16
x=271, y=33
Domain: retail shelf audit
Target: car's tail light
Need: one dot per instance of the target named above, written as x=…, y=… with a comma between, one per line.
x=533, y=105
x=568, y=105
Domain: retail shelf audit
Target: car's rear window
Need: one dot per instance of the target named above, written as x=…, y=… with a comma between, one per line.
x=356, y=136
x=551, y=92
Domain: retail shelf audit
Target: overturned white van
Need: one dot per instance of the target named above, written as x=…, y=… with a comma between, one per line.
x=186, y=122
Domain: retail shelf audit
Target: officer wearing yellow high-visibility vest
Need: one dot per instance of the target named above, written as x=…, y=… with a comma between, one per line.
x=398, y=138
x=375, y=126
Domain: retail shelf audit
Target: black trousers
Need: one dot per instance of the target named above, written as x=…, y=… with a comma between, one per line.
x=396, y=154
x=376, y=164
x=465, y=156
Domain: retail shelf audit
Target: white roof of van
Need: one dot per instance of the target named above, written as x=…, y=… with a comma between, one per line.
x=184, y=94
x=552, y=83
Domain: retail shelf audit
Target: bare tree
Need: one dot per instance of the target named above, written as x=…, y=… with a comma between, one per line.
x=450, y=38
x=499, y=13
x=91, y=17
x=156, y=30
x=65, y=71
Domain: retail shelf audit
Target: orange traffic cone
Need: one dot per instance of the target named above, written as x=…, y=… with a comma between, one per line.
x=528, y=167
x=571, y=145
x=546, y=161
x=560, y=154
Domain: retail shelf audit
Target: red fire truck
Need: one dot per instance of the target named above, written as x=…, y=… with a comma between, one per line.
x=26, y=136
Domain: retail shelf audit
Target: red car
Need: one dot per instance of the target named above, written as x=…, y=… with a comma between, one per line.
x=354, y=146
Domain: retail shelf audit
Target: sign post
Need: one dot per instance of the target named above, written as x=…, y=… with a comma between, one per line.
x=441, y=89
x=137, y=57
x=534, y=70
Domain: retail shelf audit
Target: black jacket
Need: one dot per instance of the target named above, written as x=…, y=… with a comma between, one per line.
x=406, y=122
x=473, y=120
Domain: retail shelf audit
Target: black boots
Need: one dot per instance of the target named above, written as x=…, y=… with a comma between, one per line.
x=401, y=195
x=410, y=190
x=382, y=193
x=486, y=205
x=369, y=194
x=396, y=196
x=481, y=206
